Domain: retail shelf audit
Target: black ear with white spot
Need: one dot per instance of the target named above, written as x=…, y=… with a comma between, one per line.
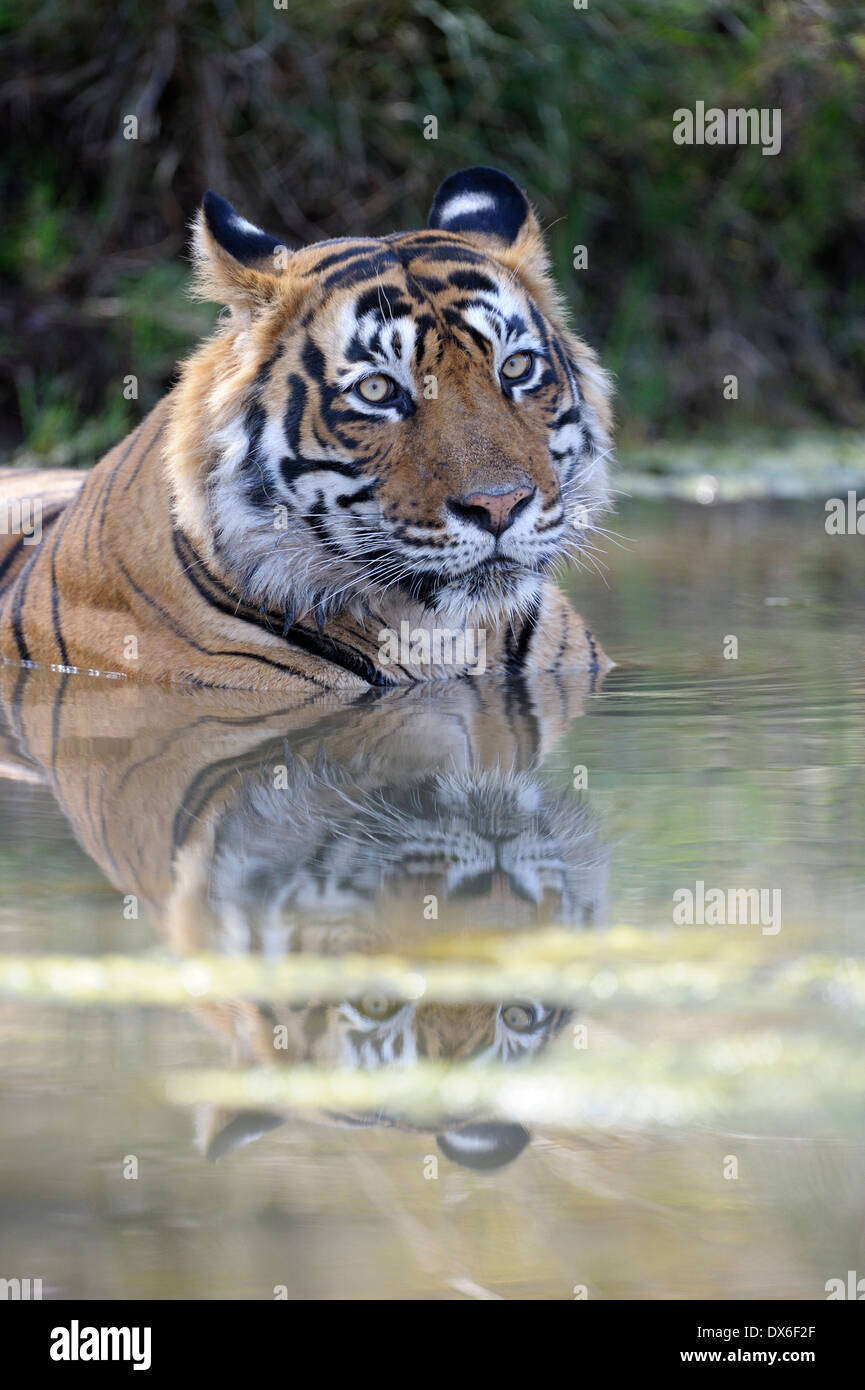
x=480, y=202
x=236, y=263
x=241, y=239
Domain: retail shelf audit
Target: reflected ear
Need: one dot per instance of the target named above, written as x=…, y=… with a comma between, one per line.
x=243, y=1128
x=485, y=1146
x=235, y=261
x=488, y=208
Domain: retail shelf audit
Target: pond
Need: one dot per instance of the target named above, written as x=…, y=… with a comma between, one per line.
x=466, y=991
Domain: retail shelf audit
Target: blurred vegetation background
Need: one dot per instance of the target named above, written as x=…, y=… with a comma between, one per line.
x=702, y=261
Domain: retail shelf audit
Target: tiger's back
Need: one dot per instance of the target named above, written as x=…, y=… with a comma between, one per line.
x=32, y=501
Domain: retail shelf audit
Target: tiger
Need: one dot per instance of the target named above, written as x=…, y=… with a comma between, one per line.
x=271, y=828
x=365, y=474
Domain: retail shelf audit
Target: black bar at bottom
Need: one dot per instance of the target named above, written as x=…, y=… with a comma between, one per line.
x=86, y=1338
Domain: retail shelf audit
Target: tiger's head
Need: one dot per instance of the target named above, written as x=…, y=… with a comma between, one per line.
x=395, y=425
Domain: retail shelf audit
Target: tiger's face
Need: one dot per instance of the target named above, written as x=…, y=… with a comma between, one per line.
x=348, y=872
x=390, y=425
x=372, y=1031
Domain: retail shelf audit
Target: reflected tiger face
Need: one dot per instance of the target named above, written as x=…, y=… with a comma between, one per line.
x=398, y=422
x=366, y=868
x=350, y=871
x=372, y=1031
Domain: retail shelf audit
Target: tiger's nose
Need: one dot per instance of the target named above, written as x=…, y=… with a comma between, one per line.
x=492, y=511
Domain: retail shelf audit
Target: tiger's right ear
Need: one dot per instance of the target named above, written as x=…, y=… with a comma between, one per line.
x=236, y=263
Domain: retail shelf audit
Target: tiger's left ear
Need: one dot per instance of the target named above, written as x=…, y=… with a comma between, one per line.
x=236, y=263
x=487, y=207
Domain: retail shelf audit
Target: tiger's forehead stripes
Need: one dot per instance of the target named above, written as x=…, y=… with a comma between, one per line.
x=470, y=308
x=419, y=256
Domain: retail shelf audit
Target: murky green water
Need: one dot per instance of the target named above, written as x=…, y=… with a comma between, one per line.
x=396, y=1009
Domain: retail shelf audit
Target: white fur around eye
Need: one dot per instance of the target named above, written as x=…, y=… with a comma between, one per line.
x=391, y=354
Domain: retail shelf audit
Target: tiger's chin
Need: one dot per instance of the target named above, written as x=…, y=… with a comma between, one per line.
x=490, y=593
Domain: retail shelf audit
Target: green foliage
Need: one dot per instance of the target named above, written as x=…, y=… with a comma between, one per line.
x=702, y=261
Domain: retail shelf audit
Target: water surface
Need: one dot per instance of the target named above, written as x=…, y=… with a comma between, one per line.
x=397, y=1004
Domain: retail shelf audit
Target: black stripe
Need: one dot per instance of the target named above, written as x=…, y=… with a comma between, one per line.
x=55, y=608
x=56, y=711
x=108, y=484
x=361, y=268
x=593, y=648
x=293, y=468
x=47, y=519
x=347, y=657
x=19, y=594
x=518, y=647
x=358, y=246
x=208, y=651
x=315, y=644
x=473, y=281
x=15, y=712
x=519, y=708
x=11, y=556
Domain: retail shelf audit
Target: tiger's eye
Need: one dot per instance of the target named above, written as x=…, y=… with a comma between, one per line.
x=376, y=389
x=378, y=1007
x=517, y=366
x=519, y=1017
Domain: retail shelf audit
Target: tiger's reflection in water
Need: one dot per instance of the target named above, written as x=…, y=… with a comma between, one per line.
x=332, y=826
